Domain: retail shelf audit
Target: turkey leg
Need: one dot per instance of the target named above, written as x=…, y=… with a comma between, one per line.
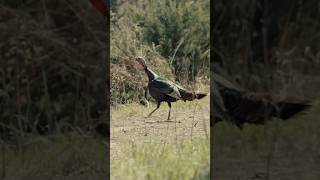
x=169, y=104
x=158, y=105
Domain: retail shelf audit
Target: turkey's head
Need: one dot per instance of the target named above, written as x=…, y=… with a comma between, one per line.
x=141, y=61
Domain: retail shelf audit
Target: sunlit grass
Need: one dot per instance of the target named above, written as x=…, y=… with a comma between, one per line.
x=159, y=161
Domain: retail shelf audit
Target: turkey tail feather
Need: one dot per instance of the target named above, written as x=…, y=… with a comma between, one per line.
x=290, y=109
x=201, y=95
x=189, y=96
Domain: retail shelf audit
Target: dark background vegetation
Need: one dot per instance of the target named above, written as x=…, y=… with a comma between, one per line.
x=52, y=70
x=268, y=47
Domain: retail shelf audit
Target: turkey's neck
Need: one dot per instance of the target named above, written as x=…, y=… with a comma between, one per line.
x=151, y=75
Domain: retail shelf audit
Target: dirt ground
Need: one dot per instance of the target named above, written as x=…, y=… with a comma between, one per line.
x=189, y=120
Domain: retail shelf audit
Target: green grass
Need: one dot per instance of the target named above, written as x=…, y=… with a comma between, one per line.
x=161, y=161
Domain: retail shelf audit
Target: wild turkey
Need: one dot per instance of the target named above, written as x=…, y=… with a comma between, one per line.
x=233, y=104
x=164, y=90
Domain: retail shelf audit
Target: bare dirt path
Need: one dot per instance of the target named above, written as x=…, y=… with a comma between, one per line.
x=189, y=120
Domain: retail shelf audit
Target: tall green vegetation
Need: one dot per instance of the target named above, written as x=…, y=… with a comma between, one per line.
x=180, y=30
